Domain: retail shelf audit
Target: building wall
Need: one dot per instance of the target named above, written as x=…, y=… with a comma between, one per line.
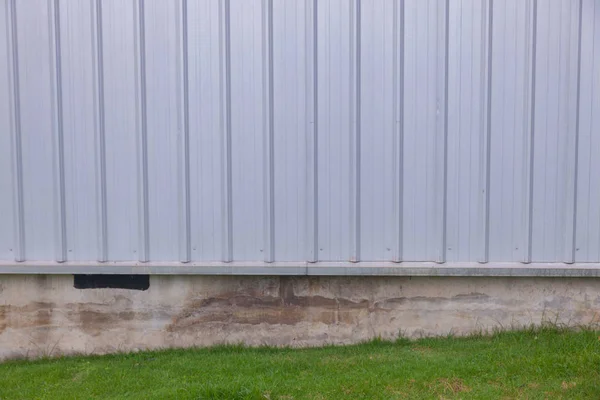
x=45, y=314
x=203, y=141
x=271, y=130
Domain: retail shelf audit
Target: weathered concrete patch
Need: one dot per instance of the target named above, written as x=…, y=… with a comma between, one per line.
x=46, y=315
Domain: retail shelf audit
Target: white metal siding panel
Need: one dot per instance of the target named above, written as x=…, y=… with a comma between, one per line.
x=511, y=49
x=41, y=214
x=467, y=129
x=290, y=48
x=205, y=129
x=424, y=130
x=163, y=127
x=276, y=131
x=334, y=122
x=78, y=107
x=377, y=150
x=587, y=238
x=6, y=188
x=248, y=131
x=556, y=70
x=118, y=34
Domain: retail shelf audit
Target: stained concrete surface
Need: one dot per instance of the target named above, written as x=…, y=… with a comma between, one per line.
x=43, y=315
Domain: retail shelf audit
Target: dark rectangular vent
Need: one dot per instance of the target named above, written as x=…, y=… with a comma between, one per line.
x=101, y=281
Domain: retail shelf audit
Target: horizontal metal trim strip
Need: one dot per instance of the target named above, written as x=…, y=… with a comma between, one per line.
x=466, y=269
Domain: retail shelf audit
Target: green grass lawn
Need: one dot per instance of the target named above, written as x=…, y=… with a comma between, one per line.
x=533, y=364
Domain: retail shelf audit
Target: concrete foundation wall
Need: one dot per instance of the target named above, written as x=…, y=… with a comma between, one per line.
x=46, y=315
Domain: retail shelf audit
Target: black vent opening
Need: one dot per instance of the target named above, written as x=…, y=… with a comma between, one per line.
x=101, y=281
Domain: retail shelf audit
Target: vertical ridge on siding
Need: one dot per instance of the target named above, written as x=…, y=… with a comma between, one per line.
x=225, y=63
x=99, y=120
x=15, y=117
x=185, y=247
x=58, y=137
x=268, y=110
x=529, y=144
x=441, y=169
x=312, y=104
x=142, y=144
x=486, y=128
x=398, y=124
x=355, y=131
x=573, y=174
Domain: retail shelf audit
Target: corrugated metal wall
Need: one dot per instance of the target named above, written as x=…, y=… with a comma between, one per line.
x=272, y=130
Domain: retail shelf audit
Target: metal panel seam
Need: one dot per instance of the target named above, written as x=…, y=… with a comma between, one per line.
x=225, y=89
x=355, y=132
x=142, y=143
x=442, y=164
x=16, y=134
x=528, y=147
x=99, y=127
x=185, y=250
x=485, y=150
x=268, y=117
x=571, y=236
x=398, y=124
x=312, y=164
x=466, y=269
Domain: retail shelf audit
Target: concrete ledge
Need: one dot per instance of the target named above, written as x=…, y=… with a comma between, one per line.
x=464, y=269
x=46, y=315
